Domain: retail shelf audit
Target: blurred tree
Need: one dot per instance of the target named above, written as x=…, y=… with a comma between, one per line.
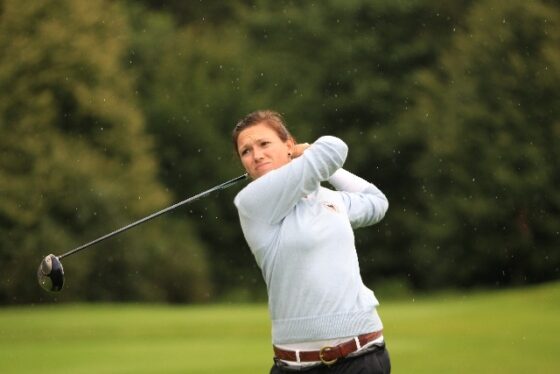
x=201, y=12
x=190, y=83
x=367, y=72
x=488, y=177
x=75, y=161
x=344, y=68
x=347, y=68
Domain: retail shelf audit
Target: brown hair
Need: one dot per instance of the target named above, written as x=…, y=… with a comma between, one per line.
x=270, y=118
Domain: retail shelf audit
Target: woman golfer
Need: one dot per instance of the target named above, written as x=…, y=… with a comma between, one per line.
x=324, y=319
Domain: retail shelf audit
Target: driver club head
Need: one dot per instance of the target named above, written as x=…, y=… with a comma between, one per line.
x=50, y=274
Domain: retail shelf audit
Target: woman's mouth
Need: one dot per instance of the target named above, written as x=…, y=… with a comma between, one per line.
x=260, y=166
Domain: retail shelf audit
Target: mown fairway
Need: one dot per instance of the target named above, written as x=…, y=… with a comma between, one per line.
x=496, y=332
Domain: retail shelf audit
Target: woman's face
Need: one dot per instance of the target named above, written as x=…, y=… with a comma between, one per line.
x=261, y=150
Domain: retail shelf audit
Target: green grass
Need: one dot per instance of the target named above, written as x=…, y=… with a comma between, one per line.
x=515, y=331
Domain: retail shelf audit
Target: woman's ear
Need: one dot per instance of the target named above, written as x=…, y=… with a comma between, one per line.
x=291, y=144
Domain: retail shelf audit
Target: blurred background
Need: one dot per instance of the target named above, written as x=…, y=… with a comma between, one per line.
x=110, y=110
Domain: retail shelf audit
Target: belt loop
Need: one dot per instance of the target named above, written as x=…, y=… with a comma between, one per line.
x=297, y=357
x=358, y=345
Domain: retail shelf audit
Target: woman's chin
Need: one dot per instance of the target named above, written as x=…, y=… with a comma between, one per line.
x=260, y=173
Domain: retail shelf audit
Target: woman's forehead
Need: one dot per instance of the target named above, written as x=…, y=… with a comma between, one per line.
x=255, y=133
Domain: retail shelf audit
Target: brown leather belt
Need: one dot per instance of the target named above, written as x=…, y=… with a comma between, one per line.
x=328, y=355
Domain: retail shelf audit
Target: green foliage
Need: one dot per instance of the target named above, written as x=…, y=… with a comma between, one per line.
x=489, y=122
x=76, y=161
x=348, y=68
x=342, y=69
x=202, y=12
x=112, y=110
x=191, y=93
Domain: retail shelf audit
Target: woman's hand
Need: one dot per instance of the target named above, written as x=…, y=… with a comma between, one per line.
x=299, y=149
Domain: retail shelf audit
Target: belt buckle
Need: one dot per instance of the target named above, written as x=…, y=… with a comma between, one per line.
x=326, y=362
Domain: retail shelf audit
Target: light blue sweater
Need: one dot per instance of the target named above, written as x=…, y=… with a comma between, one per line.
x=301, y=235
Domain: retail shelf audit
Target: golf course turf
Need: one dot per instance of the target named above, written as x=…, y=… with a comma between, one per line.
x=509, y=331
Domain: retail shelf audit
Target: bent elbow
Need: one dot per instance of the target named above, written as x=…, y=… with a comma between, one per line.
x=384, y=206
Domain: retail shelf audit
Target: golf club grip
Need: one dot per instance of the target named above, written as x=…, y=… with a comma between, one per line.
x=154, y=215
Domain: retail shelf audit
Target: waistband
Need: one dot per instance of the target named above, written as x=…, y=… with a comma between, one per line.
x=328, y=355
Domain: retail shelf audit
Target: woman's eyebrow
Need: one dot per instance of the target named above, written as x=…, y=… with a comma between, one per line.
x=253, y=141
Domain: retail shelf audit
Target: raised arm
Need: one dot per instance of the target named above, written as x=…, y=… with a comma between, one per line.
x=271, y=197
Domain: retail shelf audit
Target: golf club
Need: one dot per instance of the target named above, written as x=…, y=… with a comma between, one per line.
x=50, y=273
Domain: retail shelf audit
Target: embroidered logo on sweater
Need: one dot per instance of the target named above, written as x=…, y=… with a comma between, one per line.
x=330, y=206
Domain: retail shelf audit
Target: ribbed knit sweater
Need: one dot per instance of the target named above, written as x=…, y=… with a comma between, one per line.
x=301, y=235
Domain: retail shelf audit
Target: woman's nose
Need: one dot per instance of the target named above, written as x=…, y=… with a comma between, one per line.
x=257, y=154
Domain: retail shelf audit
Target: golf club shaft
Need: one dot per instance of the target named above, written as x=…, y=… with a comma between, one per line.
x=154, y=215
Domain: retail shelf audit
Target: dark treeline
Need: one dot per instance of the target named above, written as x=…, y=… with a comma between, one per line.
x=110, y=110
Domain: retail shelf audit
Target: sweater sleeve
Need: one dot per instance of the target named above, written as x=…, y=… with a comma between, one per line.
x=365, y=203
x=271, y=197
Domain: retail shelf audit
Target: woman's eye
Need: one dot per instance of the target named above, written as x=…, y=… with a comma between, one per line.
x=264, y=144
x=244, y=152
